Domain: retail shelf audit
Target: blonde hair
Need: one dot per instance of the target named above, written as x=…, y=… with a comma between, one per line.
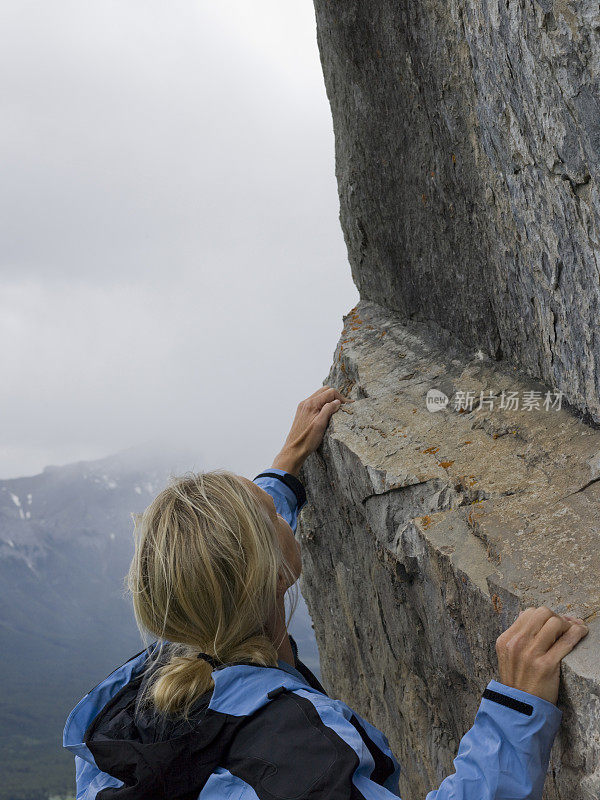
x=203, y=578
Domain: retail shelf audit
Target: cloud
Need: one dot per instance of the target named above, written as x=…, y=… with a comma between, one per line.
x=172, y=261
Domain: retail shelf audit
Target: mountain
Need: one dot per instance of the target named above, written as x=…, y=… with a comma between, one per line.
x=65, y=545
x=66, y=541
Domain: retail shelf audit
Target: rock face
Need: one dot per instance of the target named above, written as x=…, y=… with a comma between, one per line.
x=468, y=156
x=426, y=532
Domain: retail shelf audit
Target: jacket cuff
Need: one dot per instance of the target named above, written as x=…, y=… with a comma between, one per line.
x=287, y=492
x=529, y=726
x=507, y=751
x=522, y=702
x=289, y=480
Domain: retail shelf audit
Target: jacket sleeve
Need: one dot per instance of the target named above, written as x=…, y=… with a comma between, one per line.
x=505, y=755
x=287, y=492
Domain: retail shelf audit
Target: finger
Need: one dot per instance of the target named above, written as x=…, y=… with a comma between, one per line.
x=326, y=396
x=521, y=622
x=552, y=630
x=527, y=625
x=524, y=615
x=567, y=641
x=342, y=398
x=328, y=410
x=319, y=391
x=337, y=394
x=535, y=621
x=321, y=421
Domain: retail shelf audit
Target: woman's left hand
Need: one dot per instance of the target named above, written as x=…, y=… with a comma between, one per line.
x=308, y=428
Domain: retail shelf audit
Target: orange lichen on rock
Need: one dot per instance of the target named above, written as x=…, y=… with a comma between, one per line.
x=426, y=521
x=433, y=450
x=497, y=603
x=354, y=318
x=446, y=464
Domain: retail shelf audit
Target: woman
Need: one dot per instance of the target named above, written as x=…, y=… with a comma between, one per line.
x=220, y=706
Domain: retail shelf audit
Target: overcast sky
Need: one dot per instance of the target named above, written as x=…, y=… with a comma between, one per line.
x=172, y=265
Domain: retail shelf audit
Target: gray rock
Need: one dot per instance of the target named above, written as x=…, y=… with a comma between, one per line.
x=426, y=532
x=467, y=155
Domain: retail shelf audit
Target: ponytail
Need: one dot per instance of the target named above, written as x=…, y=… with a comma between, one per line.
x=203, y=579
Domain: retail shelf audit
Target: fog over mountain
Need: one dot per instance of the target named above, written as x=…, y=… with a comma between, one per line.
x=171, y=255
x=65, y=623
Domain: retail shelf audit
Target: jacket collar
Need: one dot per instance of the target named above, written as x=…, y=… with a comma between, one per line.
x=240, y=689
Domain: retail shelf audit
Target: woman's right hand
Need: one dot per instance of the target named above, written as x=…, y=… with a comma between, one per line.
x=530, y=651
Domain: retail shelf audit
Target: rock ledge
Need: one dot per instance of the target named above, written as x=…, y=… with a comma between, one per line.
x=426, y=533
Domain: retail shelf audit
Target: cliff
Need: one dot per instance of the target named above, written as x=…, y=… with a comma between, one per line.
x=467, y=146
x=467, y=156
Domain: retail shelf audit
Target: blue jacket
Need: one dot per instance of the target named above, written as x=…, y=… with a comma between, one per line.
x=267, y=733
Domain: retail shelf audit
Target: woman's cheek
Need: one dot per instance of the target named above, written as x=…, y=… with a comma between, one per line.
x=298, y=565
x=292, y=549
